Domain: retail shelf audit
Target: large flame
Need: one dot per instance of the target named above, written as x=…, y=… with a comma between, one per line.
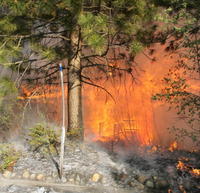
x=130, y=116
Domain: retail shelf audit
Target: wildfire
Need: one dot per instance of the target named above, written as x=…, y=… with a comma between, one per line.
x=154, y=149
x=196, y=172
x=39, y=92
x=183, y=167
x=173, y=146
x=131, y=118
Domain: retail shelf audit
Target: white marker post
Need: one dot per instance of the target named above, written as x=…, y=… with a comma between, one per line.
x=62, y=147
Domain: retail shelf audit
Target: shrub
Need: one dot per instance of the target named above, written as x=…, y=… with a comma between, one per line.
x=43, y=139
x=8, y=106
x=8, y=156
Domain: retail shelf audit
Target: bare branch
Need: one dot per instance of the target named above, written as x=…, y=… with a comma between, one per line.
x=98, y=86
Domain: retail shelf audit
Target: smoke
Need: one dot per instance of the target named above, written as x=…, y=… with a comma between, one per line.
x=133, y=117
x=130, y=118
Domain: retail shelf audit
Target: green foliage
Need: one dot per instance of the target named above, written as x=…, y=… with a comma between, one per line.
x=7, y=88
x=6, y=25
x=8, y=156
x=65, y=4
x=98, y=21
x=136, y=47
x=43, y=32
x=43, y=139
x=176, y=92
x=44, y=51
x=180, y=83
x=8, y=101
x=130, y=16
x=9, y=50
x=94, y=29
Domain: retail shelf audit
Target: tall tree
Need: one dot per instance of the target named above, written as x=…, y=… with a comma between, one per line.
x=83, y=34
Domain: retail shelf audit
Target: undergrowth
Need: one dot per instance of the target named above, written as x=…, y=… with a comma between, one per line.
x=8, y=156
x=43, y=139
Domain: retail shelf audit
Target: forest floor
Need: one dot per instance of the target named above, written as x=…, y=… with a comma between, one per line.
x=89, y=168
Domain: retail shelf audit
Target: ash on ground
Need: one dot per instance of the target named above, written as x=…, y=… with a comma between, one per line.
x=88, y=165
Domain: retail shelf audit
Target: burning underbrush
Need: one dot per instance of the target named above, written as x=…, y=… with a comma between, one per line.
x=157, y=169
x=163, y=171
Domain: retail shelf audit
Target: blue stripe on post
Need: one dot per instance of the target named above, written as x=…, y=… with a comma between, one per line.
x=60, y=68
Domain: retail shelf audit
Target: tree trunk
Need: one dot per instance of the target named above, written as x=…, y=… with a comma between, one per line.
x=75, y=120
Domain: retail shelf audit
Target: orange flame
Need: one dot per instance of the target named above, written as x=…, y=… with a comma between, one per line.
x=196, y=172
x=39, y=92
x=131, y=117
x=122, y=119
x=181, y=166
x=173, y=146
x=193, y=171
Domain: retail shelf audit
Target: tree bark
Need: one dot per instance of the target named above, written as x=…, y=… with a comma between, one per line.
x=75, y=120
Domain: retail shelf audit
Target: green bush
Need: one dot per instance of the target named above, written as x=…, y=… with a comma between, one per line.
x=8, y=156
x=8, y=106
x=43, y=139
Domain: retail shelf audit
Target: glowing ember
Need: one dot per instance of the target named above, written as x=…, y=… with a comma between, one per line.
x=181, y=166
x=169, y=191
x=196, y=172
x=154, y=148
x=173, y=146
x=191, y=170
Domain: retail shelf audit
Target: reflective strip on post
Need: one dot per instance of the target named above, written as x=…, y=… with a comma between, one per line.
x=62, y=148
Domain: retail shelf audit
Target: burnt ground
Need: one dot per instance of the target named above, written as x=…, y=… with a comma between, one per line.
x=90, y=168
x=159, y=169
x=164, y=165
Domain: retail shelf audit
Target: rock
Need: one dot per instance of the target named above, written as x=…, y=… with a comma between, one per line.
x=155, y=178
x=55, y=175
x=33, y=176
x=149, y=184
x=140, y=186
x=96, y=177
x=13, y=175
x=162, y=184
x=135, y=184
x=50, y=179
x=40, y=190
x=84, y=180
x=71, y=180
x=188, y=185
x=7, y=174
x=142, y=179
x=40, y=177
x=77, y=179
x=26, y=175
x=172, y=172
x=63, y=180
